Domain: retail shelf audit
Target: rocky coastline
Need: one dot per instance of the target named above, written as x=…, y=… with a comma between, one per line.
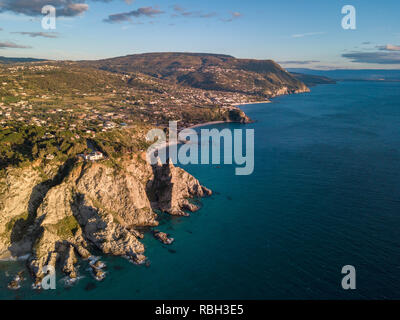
x=87, y=207
x=58, y=214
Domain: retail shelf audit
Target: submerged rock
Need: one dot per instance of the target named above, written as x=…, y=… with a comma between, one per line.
x=90, y=286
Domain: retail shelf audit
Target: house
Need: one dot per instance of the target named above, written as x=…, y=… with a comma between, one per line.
x=93, y=156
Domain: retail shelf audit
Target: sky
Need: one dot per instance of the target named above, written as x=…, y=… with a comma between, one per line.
x=295, y=33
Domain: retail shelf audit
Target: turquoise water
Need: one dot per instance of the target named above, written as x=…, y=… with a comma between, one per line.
x=325, y=193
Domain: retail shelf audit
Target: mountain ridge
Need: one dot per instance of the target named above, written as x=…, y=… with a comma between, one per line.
x=10, y=60
x=207, y=71
x=352, y=74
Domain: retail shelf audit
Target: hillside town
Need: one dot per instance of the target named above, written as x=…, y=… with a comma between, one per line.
x=32, y=94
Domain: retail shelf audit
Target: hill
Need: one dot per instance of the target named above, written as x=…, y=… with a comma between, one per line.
x=312, y=80
x=346, y=74
x=208, y=71
x=5, y=60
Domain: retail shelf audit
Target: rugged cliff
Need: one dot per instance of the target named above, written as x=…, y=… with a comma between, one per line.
x=61, y=213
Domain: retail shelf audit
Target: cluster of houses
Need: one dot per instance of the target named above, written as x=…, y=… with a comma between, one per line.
x=40, y=67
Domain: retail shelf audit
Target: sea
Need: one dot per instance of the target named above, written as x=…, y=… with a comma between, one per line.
x=324, y=194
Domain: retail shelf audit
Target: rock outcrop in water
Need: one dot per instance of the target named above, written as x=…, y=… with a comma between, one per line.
x=82, y=206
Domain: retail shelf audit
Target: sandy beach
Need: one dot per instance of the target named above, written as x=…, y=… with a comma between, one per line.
x=206, y=124
x=257, y=102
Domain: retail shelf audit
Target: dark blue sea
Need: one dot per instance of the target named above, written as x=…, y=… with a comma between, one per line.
x=325, y=193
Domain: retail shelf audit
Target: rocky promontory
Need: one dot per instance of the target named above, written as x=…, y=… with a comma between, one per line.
x=82, y=206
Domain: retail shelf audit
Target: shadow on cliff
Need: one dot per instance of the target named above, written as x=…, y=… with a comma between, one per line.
x=21, y=227
x=88, y=219
x=82, y=212
x=159, y=189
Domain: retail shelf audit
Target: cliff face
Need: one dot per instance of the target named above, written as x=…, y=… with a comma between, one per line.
x=82, y=206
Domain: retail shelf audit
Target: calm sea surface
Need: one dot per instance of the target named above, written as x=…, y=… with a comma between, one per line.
x=325, y=193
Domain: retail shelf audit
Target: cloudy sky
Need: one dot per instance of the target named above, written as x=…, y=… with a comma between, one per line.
x=296, y=33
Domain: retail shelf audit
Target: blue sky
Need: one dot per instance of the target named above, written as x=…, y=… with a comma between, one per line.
x=296, y=33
